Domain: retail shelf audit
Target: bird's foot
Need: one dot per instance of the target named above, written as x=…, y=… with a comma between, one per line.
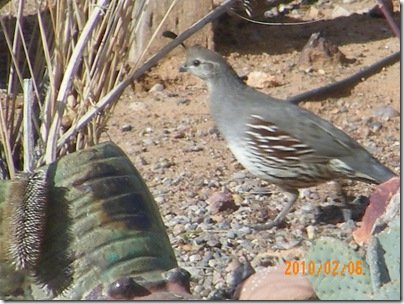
x=268, y=225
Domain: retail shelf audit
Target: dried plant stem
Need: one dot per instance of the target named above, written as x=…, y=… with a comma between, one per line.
x=28, y=127
x=111, y=96
x=117, y=91
x=78, y=71
x=6, y=143
x=50, y=153
x=15, y=50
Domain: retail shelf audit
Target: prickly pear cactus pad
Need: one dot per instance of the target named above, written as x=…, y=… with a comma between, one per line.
x=389, y=240
x=388, y=262
x=389, y=291
x=337, y=272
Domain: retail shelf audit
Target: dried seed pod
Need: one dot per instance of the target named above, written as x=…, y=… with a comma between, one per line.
x=25, y=218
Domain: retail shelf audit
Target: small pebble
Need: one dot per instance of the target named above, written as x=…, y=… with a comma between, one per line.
x=159, y=199
x=163, y=163
x=212, y=263
x=376, y=126
x=213, y=130
x=171, y=94
x=231, y=235
x=195, y=258
x=158, y=87
x=307, y=207
x=213, y=243
x=238, y=175
x=340, y=11
x=126, y=128
x=178, y=134
x=141, y=161
x=182, y=101
x=221, y=201
x=195, y=149
x=148, y=142
x=273, y=12
x=310, y=232
x=385, y=111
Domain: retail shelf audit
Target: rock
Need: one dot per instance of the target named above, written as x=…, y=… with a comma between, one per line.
x=178, y=134
x=213, y=243
x=318, y=53
x=182, y=101
x=273, y=12
x=221, y=201
x=195, y=258
x=126, y=128
x=159, y=199
x=147, y=141
x=158, y=87
x=238, y=272
x=238, y=175
x=231, y=235
x=314, y=12
x=385, y=111
x=311, y=232
x=273, y=284
x=141, y=161
x=138, y=106
x=340, y=11
x=148, y=130
x=378, y=202
x=163, y=163
x=376, y=126
x=309, y=70
x=194, y=148
x=213, y=130
x=261, y=80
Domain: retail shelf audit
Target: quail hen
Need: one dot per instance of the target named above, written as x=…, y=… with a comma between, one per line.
x=276, y=140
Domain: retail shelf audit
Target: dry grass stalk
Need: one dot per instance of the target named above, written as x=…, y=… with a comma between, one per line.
x=79, y=70
x=80, y=58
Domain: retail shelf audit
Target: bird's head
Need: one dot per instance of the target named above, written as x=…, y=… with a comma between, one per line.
x=206, y=64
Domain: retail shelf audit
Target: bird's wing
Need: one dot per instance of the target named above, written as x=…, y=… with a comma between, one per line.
x=294, y=133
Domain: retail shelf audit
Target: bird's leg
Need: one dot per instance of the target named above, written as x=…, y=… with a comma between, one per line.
x=291, y=195
x=340, y=201
x=340, y=193
x=339, y=197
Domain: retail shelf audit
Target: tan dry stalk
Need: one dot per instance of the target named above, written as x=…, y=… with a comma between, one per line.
x=79, y=69
x=65, y=86
x=6, y=145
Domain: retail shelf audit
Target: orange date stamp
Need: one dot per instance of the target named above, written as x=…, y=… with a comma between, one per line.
x=334, y=268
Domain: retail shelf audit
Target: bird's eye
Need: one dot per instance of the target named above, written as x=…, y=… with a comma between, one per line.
x=196, y=62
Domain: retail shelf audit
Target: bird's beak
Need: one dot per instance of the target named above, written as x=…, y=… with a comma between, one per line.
x=183, y=68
